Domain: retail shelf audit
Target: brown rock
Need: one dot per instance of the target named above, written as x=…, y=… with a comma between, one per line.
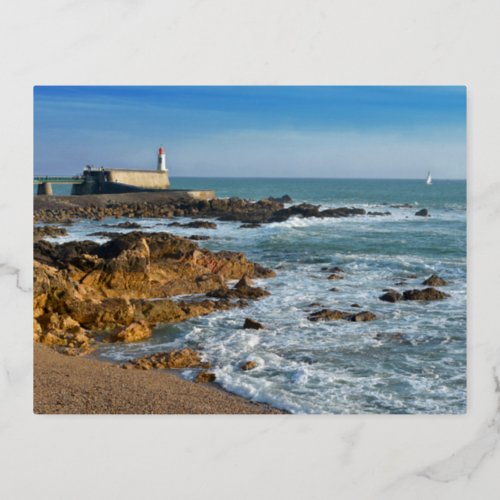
x=391, y=296
x=327, y=315
x=249, y=365
x=363, y=316
x=252, y=324
x=434, y=280
x=132, y=333
x=425, y=294
x=335, y=276
x=244, y=282
x=176, y=359
x=205, y=377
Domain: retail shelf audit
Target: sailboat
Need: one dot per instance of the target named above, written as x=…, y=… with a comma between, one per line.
x=429, y=179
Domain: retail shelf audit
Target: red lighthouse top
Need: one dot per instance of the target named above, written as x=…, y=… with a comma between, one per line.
x=161, y=151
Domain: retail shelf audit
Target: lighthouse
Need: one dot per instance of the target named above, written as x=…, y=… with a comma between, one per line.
x=162, y=161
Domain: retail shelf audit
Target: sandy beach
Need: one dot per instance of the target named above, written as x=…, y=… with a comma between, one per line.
x=75, y=385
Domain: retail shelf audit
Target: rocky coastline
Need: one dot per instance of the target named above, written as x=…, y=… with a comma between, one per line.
x=87, y=293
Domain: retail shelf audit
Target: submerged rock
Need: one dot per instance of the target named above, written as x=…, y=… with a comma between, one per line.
x=391, y=296
x=249, y=365
x=434, y=280
x=363, y=316
x=125, y=225
x=328, y=315
x=204, y=377
x=335, y=276
x=196, y=224
x=198, y=237
x=252, y=324
x=425, y=294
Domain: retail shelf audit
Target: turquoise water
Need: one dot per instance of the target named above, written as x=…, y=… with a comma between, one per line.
x=412, y=359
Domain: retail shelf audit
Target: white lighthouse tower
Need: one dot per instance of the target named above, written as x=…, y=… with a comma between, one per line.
x=162, y=160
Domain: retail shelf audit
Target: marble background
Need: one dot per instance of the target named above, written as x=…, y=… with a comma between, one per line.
x=251, y=42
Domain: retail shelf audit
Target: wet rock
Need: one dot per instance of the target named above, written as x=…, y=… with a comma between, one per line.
x=244, y=282
x=243, y=292
x=328, y=315
x=252, y=225
x=106, y=234
x=363, y=316
x=41, y=232
x=249, y=365
x=335, y=276
x=204, y=377
x=378, y=213
x=252, y=324
x=404, y=205
x=391, y=296
x=434, y=280
x=132, y=333
x=422, y=213
x=315, y=304
x=196, y=224
x=425, y=294
x=125, y=225
x=392, y=337
x=342, y=212
x=355, y=305
x=334, y=289
x=198, y=237
x=333, y=270
x=262, y=272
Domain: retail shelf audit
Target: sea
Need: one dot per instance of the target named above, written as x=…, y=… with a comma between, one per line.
x=410, y=360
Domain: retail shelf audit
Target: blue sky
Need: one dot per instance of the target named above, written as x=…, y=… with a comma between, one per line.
x=354, y=132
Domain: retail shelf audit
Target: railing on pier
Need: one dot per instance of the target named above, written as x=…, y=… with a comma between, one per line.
x=57, y=179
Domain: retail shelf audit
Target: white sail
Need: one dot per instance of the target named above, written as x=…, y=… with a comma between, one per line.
x=429, y=178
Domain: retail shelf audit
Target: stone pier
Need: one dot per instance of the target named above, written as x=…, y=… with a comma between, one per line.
x=45, y=188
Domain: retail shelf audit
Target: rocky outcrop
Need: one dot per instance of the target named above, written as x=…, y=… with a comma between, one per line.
x=252, y=324
x=426, y=294
x=41, y=232
x=434, y=280
x=176, y=359
x=154, y=205
x=102, y=287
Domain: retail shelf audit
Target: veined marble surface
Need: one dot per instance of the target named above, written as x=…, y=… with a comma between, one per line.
x=250, y=42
